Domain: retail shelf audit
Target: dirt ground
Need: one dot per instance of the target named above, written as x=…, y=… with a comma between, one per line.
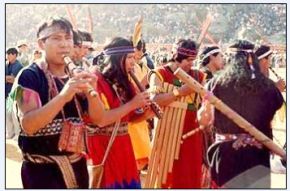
x=13, y=155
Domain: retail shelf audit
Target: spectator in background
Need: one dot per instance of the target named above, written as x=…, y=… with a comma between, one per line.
x=76, y=52
x=87, y=42
x=90, y=56
x=12, y=67
x=23, y=52
x=37, y=55
x=82, y=43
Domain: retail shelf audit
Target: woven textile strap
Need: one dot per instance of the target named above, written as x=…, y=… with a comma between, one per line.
x=108, y=130
x=240, y=140
x=63, y=162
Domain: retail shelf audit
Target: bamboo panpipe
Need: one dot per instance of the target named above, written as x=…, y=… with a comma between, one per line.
x=155, y=153
x=165, y=142
x=176, y=155
x=175, y=135
x=171, y=142
x=167, y=127
x=235, y=117
x=152, y=158
x=156, y=165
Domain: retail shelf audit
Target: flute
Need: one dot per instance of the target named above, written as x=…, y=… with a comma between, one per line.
x=155, y=108
x=70, y=67
x=278, y=77
x=231, y=114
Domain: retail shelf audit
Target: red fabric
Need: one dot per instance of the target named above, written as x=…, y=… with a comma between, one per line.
x=86, y=118
x=215, y=186
x=187, y=170
x=105, y=88
x=120, y=165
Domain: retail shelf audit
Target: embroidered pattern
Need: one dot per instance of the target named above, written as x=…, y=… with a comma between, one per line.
x=53, y=128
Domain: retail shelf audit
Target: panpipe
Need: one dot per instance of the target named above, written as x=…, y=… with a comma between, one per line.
x=167, y=139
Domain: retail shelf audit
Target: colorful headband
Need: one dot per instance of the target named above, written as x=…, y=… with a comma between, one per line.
x=265, y=54
x=119, y=50
x=211, y=53
x=87, y=43
x=239, y=49
x=186, y=52
x=48, y=32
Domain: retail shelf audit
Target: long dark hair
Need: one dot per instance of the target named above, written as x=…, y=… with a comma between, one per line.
x=115, y=66
x=238, y=72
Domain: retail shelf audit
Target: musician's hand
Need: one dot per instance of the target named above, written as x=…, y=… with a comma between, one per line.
x=91, y=81
x=89, y=78
x=185, y=90
x=281, y=85
x=73, y=85
x=141, y=99
x=205, y=115
x=148, y=112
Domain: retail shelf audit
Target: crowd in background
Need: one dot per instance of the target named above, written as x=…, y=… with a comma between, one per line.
x=163, y=23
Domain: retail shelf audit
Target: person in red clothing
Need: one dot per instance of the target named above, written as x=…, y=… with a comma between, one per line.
x=120, y=101
x=187, y=170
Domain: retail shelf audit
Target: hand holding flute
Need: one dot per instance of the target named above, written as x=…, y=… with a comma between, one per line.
x=280, y=84
x=81, y=75
x=155, y=108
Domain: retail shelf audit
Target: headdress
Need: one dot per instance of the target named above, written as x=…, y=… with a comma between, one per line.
x=137, y=32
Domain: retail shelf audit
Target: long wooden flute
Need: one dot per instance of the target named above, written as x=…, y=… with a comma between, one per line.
x=278, y=77
x=155, y=108
x=231, y=114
